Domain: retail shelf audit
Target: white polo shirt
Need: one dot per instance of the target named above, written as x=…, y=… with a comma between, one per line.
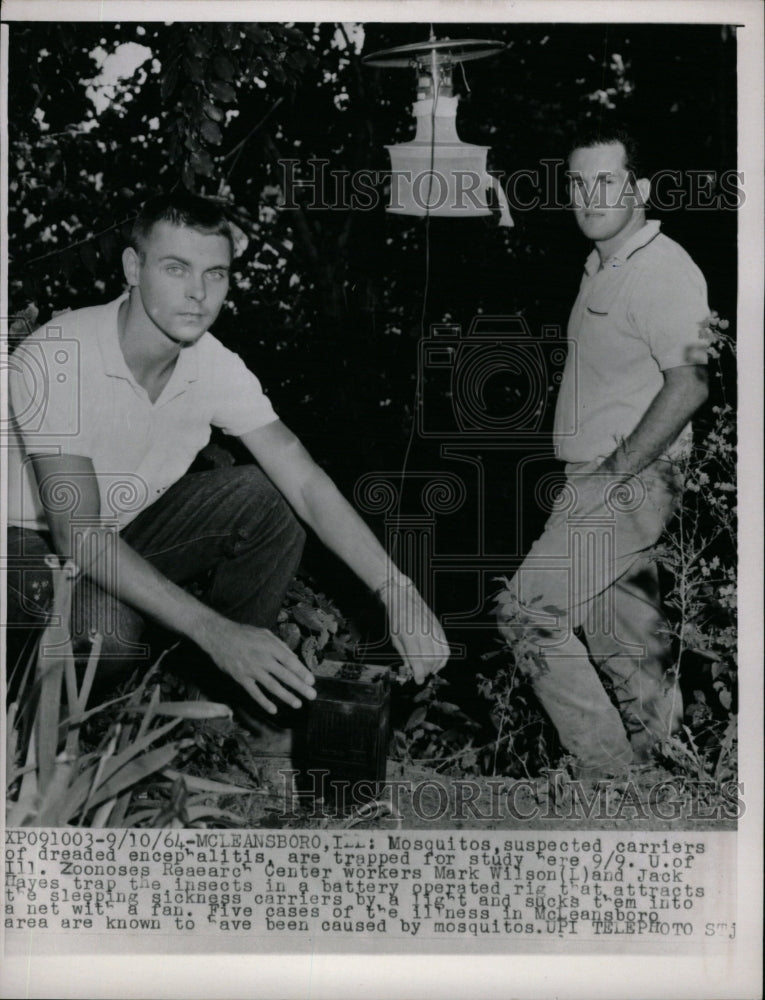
x=644, y=311
x=72, y=393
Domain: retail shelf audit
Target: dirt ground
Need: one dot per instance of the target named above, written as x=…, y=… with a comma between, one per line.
x=421, y=798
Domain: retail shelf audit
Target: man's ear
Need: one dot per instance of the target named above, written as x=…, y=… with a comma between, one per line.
x=644, y=191
x=130, y=265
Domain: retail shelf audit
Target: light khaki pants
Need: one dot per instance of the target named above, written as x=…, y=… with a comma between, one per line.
x=588, y=578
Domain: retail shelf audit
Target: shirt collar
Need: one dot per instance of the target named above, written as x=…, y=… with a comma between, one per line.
x=114, y=364
x=637, y=241
x=109, y=343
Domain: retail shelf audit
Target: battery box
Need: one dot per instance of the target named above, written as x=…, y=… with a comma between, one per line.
x=345, y=743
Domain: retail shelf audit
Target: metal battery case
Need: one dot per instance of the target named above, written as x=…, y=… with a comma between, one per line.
x=347, y=731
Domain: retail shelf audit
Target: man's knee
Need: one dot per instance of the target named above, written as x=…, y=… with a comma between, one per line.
x=248, y=480
x=263, y=508
x=94, y=611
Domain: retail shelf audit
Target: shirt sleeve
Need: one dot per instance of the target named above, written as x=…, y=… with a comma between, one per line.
x=45, y=385
x=671, y=312
x=240, y=405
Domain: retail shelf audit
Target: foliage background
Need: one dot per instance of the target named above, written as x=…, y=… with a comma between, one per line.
x=328, y=305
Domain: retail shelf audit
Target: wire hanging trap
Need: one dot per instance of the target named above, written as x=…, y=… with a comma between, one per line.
x=436, y=174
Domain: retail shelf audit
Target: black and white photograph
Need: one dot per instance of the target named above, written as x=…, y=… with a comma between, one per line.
x=434, y=651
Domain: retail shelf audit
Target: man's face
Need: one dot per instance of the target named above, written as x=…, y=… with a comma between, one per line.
x=182, y=279
x=607, y=205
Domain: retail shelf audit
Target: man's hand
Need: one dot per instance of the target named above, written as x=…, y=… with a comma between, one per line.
x=415, y=631
x=684, y=390
x=254, y=657
x=618, y=464
x=260, y=662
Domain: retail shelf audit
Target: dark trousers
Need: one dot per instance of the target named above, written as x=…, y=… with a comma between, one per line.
x=228, y=529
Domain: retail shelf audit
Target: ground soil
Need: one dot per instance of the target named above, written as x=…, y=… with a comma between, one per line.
x=649, y=798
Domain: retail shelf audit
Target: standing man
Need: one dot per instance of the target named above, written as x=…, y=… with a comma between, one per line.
x=587, y=593
x=111, y=404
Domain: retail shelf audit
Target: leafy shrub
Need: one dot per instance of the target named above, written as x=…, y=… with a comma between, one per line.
x=313, y=626
x=436, y=733
x=698, y=552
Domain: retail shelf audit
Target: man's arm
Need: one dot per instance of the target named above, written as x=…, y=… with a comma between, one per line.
x=685, y=389
x=415, y=631
x=254, y=657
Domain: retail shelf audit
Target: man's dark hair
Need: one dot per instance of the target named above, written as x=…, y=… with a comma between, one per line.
x=592, y=135
x=181, y=208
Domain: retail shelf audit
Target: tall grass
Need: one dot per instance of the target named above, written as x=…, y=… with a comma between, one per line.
x=54, y=779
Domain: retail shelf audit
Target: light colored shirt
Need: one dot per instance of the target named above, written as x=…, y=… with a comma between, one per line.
x=72, y=393
x=643, y=311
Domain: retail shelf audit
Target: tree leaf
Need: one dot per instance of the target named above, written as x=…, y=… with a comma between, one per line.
x=416, y=717
x=107, y=244
x=212, y=111
x=81, y=786
x=308, y=652
x=211, y=133
x=430, y=727
x=278, y=73
x=67, y=261
x=256, y=33
x=201, y=162
x=89, y=257
x=290, y=34
x=449, y=708
x=314, y=619
x=290, y=634
x=193, y=710
x=306, y=616
x=296, y=60
x=169, y=81
x=193, y=783
x=196, y=813
x=222, y=91
x=230, y=36
x=197, y=44
x=134, y=772
x=195, y=69
x=224, y=68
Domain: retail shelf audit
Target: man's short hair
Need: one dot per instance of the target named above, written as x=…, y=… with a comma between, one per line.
x=591, y=135
x=181, y=208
